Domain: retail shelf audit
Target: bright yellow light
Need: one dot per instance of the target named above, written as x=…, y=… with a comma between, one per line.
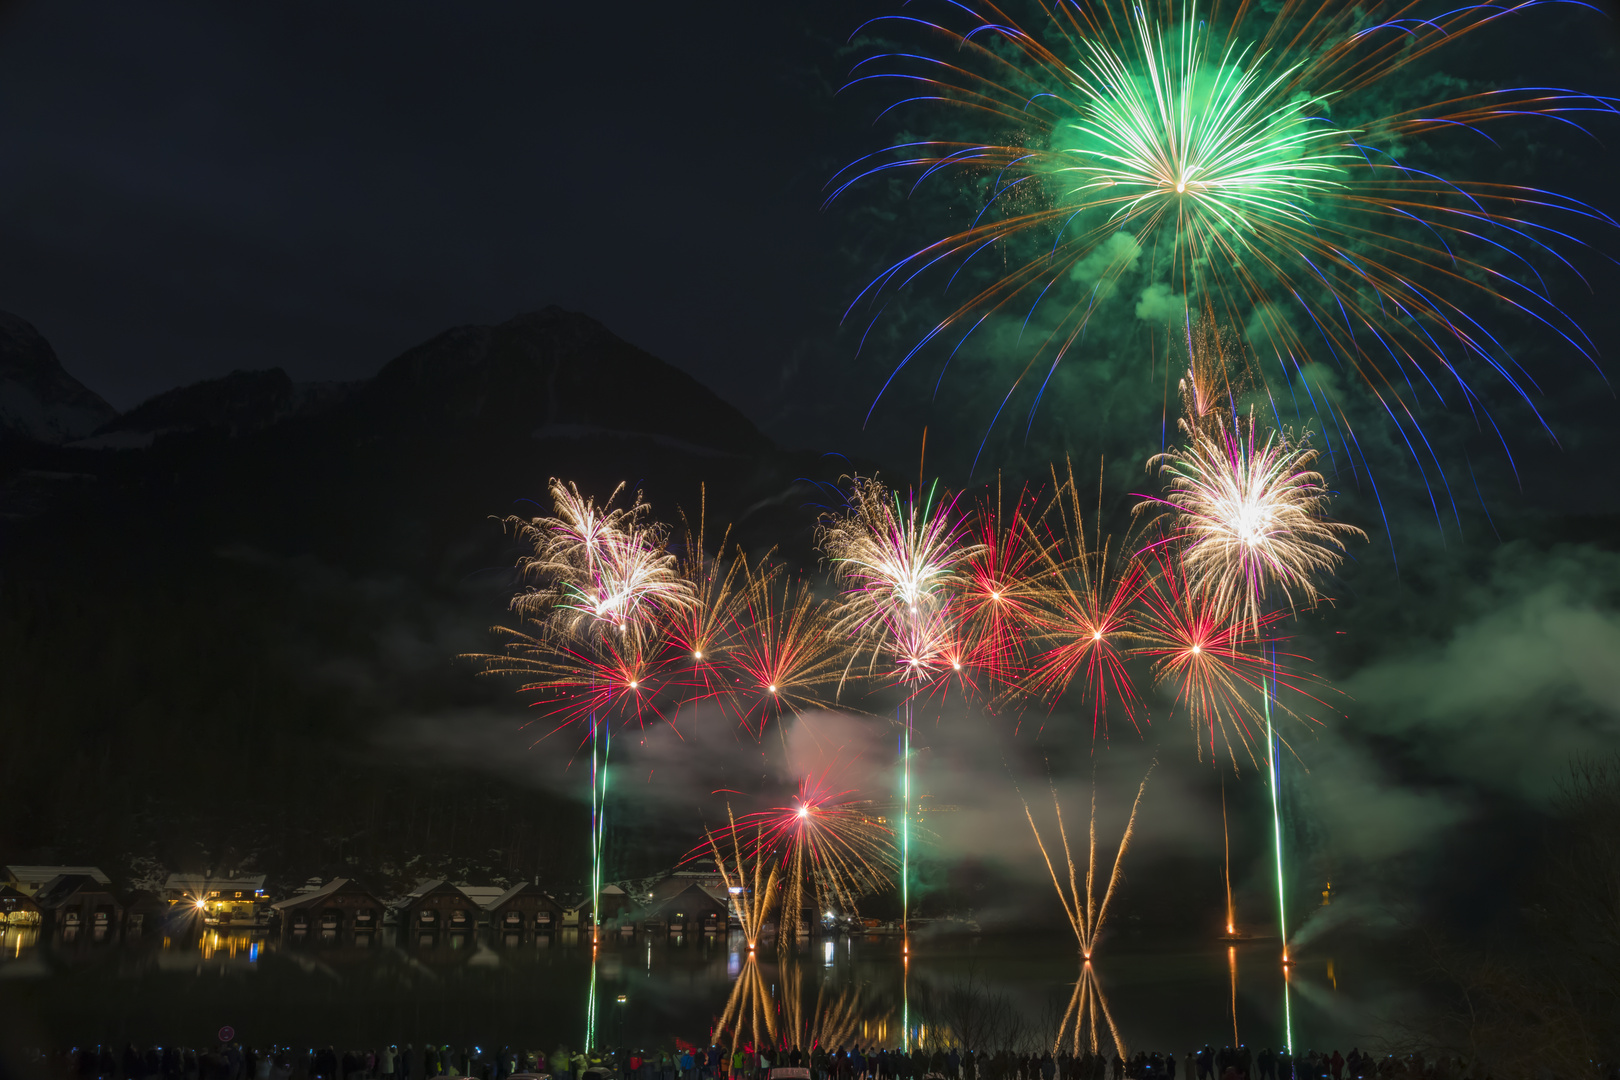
x=772, y=688
x=698, y=654
x=202, y=905
x=956, y=664
x=1096, y=635
x=632, y=684
x=995, y=596
x=1196, y=649
x=804, y=811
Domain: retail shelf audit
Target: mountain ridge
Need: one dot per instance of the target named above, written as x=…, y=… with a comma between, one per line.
x=39, y=400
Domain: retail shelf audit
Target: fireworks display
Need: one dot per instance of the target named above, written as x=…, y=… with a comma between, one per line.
x=783, y=652
x=1255, y=163
x=1087, y=913
x=1205, y=652
x=750, y=876
x=1247, y=513
x=597, y=568
x=830, y=848
x=1085, y=626
x=1014, y=603
x=1085, y=1016
x=898, y=561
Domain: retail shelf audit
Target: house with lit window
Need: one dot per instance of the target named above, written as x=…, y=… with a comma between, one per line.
x=17, y=908
x=238, y=901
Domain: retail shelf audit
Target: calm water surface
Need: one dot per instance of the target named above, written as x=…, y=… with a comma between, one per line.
x=490, y=988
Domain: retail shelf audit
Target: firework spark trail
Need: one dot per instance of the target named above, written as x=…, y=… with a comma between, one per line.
x=1241, y=516
x=1086, y=621
x=586, y=684
x=749, y=1015
x=1207, y=653
x=828, y=846
x=784, y=653
x=1086, y=913
x=597, y=567
x=1246, y=513
x=1000, y=598
x=1226, y=865
x=833, y=1021
x=751, y=900
x=1087, y=1005
x=1251, y=159
x=697, y=633
x=898, y=564
x=598, y=578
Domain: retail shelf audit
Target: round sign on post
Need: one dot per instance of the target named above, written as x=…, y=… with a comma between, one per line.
x=227, y=1033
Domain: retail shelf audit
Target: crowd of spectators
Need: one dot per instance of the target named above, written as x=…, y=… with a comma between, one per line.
x=684, y=1061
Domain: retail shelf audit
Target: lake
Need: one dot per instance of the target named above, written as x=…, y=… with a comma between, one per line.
x=534, y=990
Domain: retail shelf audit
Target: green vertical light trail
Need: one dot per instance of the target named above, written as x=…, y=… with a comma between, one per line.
x=1276, y=837
x=590, y=1009
x=905, y=837
x=905, y=881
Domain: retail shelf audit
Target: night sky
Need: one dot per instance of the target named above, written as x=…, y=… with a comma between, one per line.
x=189, y=188
x=192, y=188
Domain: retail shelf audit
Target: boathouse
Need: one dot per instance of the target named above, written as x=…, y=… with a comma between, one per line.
x=144, y=912
x=439, y=905
x=691, y=911
x=28, y=880
x=525, y=906
x=341, y=904
x=78, y=903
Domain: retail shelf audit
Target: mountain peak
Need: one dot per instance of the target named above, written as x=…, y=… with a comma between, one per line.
x=39, y=400
x=554, y=368
x=239, y=402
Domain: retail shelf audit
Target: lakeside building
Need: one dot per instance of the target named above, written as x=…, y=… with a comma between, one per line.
x=525, y=906
x=341, y=904
x=72, y=904
x=694, y=909
x=239, y=901
x=28, y=880
x=439, y=905
x=145, y=910
x=17, y=908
